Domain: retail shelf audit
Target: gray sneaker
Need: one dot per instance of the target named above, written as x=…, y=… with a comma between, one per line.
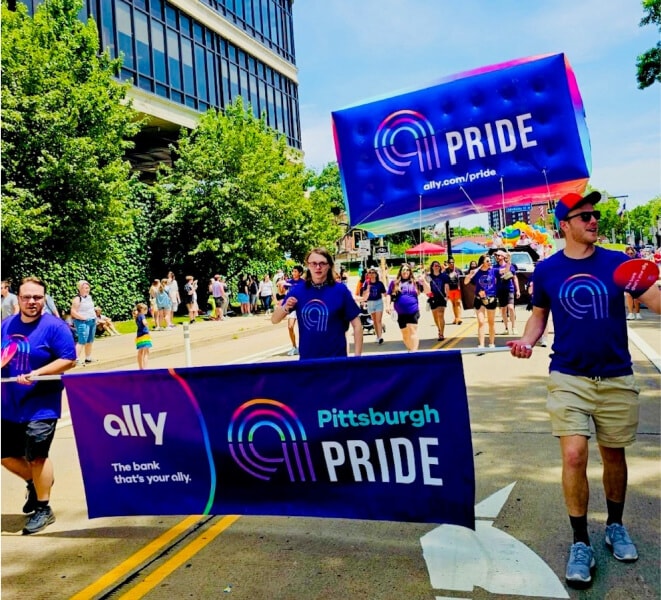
x=293, y=352
x=620, y=544
x=580, y=565
x=30, y=499
x=40, y=519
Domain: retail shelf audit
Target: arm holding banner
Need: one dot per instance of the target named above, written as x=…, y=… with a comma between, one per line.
x=59, y=365
x=534, y=330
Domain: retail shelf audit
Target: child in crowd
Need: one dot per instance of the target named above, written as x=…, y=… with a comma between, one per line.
x=143, y=339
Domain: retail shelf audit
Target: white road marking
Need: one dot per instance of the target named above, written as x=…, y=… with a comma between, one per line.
x=459, y=559
x=651, y=354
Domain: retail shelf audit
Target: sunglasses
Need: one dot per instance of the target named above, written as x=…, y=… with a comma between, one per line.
x=586, y=216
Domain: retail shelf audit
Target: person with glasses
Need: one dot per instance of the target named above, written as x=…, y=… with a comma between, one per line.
x=33, y=344
x=507, y=289
x=438, y=284
x=325, y=309
x=403, y=293
x=591, y=375
x=373, y=292
x=9, y=301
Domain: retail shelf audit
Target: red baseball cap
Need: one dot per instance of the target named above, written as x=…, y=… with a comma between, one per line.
x=571, y=201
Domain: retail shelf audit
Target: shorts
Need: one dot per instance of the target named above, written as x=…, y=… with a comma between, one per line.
x=219, y=301
x=454, y=295
x=490, y=303
x=437, y=302
x=612, y=404
x=374, y=306
x=404, y=320
x=174, y=306
x=143, y=341
x=85, y=330
x=31, y=440
x=291, y=315
x=243, y=298
x=505, y=297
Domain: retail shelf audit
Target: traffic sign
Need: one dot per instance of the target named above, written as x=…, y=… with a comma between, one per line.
x=381, y=252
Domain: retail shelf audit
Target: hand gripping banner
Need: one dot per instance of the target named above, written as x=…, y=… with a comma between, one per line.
x=382, y=437
x=503, y=135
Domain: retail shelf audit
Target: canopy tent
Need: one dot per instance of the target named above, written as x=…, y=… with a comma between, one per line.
x=468, y=247
x=426, y=248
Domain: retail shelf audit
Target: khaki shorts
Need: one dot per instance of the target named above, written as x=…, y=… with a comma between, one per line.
x=612, y=404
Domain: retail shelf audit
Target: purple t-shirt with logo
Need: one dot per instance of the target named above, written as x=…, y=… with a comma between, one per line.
x=37, y=344
x=589, y=316
x=406, y=302
x=324, y=314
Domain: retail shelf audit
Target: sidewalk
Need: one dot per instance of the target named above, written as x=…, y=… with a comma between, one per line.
x=113, y=352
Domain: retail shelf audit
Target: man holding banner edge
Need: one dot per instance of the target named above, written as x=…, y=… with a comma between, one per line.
x=33, y=344
x=591, y=375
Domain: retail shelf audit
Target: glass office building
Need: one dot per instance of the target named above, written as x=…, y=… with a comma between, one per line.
x=186, y=56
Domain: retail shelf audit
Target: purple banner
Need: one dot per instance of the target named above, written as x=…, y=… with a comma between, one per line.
x=376, y=437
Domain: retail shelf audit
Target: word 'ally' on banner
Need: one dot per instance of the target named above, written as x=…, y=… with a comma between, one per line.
x=382, y=437
x=507, y=134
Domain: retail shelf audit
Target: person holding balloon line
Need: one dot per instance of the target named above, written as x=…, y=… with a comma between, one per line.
x=591, y=374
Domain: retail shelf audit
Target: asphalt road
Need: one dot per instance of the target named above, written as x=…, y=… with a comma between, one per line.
x=524, y=534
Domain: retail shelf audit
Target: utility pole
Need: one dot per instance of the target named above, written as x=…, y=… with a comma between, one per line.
x=448, y=239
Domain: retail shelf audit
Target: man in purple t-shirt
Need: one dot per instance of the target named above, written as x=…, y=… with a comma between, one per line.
x=591, y=375
x=33, y=344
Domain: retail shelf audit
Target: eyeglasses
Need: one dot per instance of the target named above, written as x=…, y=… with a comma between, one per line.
x=28, y=298
x=317, y=265
x=586, y=216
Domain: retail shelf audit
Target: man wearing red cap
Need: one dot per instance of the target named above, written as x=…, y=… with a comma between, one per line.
x=591, y=375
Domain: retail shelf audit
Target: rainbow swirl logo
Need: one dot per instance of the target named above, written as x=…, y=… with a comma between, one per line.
x=584, y=296
x=315, y=316
x=405, y=137
x=261, y=418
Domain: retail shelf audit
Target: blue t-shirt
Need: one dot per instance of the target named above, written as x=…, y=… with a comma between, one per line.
x=589, y=316
x=377, y=289
x=485, y=280
x=142, y=326
x=437, y=284
x=323, y=317
x=37, y=344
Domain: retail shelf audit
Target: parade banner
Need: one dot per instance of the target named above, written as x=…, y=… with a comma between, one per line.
x=507, y=134
x=375, y=437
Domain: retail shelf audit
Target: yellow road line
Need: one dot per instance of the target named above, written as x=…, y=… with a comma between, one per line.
x=152, y=580
x=136, y=559
x=458, y=336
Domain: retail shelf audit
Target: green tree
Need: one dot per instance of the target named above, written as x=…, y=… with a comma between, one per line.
x=648, y=63
x=69, y=197
x=235, y=199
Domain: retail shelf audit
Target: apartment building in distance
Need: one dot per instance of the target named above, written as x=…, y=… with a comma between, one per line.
x=186, y=56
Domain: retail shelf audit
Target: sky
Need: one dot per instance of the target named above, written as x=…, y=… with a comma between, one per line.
x=352, y=51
